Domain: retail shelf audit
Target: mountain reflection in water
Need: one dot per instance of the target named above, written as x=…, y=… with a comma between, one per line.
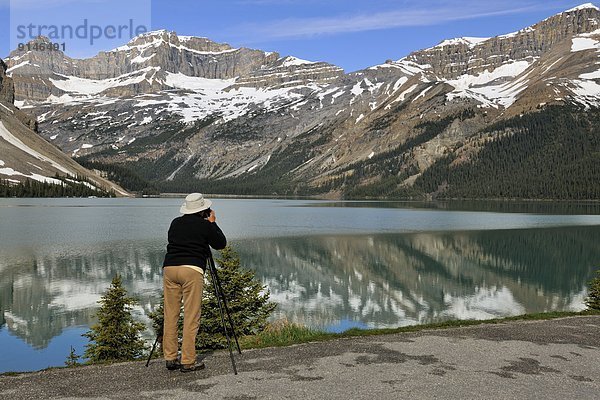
x=394, y=280
x=331, y=282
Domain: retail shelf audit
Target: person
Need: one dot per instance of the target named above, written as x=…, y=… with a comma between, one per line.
x=190, y=236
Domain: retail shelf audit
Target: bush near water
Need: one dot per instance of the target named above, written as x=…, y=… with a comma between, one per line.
x=116, y=336
x=592, y=301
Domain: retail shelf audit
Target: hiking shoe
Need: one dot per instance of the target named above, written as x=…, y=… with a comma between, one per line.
x=172, y=365
x=192, y=367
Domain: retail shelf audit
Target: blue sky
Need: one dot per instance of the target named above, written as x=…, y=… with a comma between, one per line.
x=352, y=34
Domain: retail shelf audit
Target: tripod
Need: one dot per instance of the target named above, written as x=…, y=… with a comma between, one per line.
x=223, y=310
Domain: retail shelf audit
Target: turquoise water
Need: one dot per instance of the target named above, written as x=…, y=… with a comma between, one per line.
x=330, y=265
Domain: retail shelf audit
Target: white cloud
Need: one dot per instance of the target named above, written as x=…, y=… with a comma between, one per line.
x=426, y=13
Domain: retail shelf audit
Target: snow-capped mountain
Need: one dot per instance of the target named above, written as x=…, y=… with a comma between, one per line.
x=26, y=155
x=193, y=108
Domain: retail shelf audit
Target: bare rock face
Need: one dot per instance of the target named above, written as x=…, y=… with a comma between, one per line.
x=7, y=90
x=191, y=56
x=289, y=71
x=7, y=98
x=456, y=57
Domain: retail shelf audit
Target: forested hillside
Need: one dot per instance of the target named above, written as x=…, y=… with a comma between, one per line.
x=551, y=154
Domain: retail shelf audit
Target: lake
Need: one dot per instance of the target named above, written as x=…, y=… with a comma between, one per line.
x=329, y=265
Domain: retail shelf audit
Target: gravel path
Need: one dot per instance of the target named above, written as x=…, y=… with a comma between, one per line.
x=554, y=359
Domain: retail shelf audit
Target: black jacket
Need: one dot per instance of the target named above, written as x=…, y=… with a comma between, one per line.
x=189, y=239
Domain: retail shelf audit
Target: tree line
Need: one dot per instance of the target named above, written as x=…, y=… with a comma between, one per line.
x=70, y=187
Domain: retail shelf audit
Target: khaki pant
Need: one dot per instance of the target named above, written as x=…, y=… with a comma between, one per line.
x=187, y=283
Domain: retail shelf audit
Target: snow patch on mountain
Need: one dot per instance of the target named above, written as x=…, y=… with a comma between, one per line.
x=181, y=81
x=203, y=52
x=321, y=96
x=293, y=61
x=469, y=41
x=490, y=87
x=582, y=43
x=357, y=89
x=424, y=92
x=591, y=75
x=586, y=90
x=13, y=140
x=401, y=97
x=212, y=100
x=85, y=87
x=34, y=176
x=583, y=7
x=6, y=108
x=519, y=32
x=141, y=59
x=19, y=65
x=399, y=83
x=406, y=66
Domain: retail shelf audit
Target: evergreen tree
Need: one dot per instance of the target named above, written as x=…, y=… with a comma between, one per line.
x=72, y=359
x=593, y=298
x=116, y=335
x=248, y=302
x=247, y=298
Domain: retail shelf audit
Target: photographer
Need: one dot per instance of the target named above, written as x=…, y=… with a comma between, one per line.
x=190, y=236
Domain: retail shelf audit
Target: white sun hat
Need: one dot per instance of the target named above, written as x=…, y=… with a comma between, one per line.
x=194, y=203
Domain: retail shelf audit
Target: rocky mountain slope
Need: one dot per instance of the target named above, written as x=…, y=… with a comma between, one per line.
x=185, y=112
x=25, y=155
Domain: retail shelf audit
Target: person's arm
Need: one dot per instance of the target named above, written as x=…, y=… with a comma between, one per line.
x=216, y=238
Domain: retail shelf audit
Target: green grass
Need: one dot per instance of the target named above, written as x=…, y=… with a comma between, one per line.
x=283, y=333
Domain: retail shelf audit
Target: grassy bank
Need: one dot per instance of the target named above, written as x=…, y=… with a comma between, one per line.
x=283, y=333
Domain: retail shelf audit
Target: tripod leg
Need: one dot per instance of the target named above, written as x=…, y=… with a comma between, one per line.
x=218, y=283
x=213, y=274
x=152, y=351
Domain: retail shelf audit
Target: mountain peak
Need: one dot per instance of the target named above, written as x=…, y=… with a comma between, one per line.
x=583, y=7
x=469, y=41
x=171, y=38
x=157, y=32
x=152, y=37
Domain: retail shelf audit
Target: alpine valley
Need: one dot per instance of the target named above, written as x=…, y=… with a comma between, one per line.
x=513, y=116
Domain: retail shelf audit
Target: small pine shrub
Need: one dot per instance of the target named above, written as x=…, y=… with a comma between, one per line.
x=247, y=298
x=592, y=301
x=72, y=359
x=116, y=336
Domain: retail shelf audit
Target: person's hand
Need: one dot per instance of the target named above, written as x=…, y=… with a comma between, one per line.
x=212, y=217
